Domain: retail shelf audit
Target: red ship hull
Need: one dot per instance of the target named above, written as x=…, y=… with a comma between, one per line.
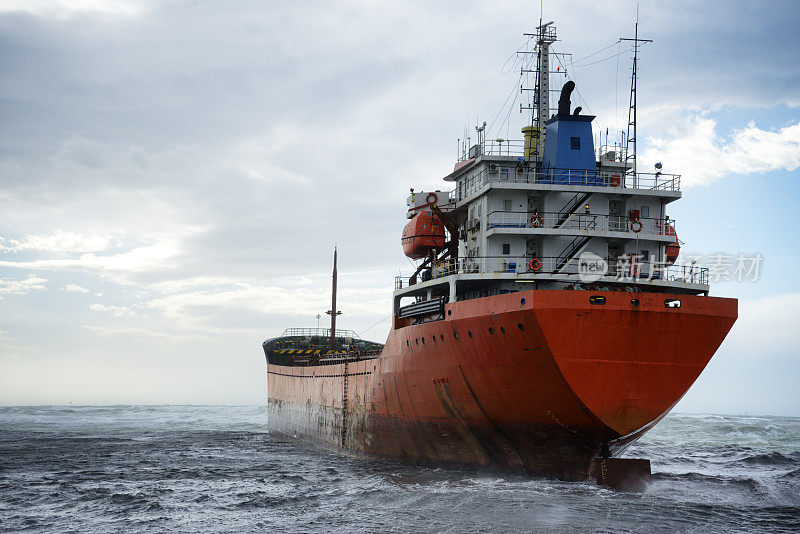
x=536, y=381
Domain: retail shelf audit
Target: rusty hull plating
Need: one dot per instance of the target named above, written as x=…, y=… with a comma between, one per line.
x=539, y=381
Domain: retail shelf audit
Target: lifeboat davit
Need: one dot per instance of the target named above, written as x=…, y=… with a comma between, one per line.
x=673, y=249
x=423, y=233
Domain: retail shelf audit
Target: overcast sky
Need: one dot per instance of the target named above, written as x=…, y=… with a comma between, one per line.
x=174, y=175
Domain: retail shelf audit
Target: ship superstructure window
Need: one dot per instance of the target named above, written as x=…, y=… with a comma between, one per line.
x=575, y=143
x=506, y=248
x=645, y=211
x=506, y=205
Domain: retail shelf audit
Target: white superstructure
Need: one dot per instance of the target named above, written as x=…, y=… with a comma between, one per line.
x=550, y=211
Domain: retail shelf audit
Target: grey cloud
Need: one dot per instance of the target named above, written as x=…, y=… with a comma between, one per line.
x=253, y=136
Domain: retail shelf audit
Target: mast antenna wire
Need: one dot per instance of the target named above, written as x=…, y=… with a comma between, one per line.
x=570, y=77
x=514, y=89
x=595, y=53
x=616, y=91
x=516, y=57
x=376, y=324
x=600, y=60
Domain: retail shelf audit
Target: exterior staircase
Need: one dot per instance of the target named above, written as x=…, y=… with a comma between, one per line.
x=570, y=207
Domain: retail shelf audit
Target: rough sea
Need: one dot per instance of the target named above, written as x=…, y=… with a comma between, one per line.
x=216, y=469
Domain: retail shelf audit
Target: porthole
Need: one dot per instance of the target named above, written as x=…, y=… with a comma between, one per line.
x=491, y=330
x=434, y=338
x=407, y=343
x=449, y=312
x=455, y=335
x=442, y=336
x=416, y=341
x=522, y=301
x=469, y=333
x=521, y=327
x=502, y=330
x=634, y=302
x=423, y=340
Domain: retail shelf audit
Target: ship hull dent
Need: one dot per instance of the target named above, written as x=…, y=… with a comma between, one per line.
x=535, y=381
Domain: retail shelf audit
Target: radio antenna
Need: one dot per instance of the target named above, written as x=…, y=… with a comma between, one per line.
x=630, y=143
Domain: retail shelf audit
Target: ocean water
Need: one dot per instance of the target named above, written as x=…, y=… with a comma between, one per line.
x=216, y=469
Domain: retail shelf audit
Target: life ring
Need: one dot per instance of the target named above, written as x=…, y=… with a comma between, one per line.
x=534, y=264
x=636, y=226
x=536, y=221
x=428, y=198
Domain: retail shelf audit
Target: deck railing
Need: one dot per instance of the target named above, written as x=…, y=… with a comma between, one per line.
x=498, y=173
x=580, y=221
x=623, y=269
x=318, y=332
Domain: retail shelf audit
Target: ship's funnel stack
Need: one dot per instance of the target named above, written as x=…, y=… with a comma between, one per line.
x=569, y=146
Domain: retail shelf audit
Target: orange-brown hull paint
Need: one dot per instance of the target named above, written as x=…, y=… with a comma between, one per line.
x=554, y=380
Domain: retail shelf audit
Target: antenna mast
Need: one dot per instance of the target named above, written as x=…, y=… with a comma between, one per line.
x=540, y=111
x=630, y=143
x=332, y=312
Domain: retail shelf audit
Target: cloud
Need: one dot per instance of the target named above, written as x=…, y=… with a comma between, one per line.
x=244, y=296
x=21, y=287
x=138, y=333
x=60, y=241
x=149, y=257
x=116, y=311
x=65, y=9
x=75, y=288
x=195, y=161
x=201, y=309
x=703, y=157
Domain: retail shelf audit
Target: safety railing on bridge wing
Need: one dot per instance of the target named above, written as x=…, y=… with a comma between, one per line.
x=580, y=221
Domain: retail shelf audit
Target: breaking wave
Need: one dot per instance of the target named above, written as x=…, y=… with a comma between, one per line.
x=200, y=469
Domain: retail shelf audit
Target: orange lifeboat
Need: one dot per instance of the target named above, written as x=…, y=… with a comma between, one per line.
x=673, y=249
x=423, y=233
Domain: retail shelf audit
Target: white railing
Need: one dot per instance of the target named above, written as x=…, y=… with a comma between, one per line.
x=317, y=332
x=498, y=173
x=579, y=221
x=623, y=269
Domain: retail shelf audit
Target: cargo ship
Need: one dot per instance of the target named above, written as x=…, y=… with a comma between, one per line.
x=546, y=327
